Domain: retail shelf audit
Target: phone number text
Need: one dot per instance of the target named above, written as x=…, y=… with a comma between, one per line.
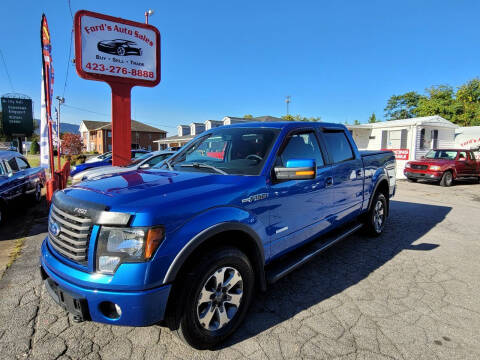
x=120, y=70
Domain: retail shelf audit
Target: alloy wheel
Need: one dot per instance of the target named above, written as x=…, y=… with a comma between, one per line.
x=378, y=216
x=220, y=298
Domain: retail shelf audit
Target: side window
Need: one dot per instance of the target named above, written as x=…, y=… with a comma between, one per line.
x=338, y=146
x=13, y=164
x=22, y=164
x=462, y=155
x=301, y=146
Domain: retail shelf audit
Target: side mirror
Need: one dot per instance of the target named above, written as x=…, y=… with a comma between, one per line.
x=297, y=169
x=10, y=174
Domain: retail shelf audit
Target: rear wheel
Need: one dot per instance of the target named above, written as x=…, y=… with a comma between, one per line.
x=447, y=179
x=216, y=298
x=377, y=215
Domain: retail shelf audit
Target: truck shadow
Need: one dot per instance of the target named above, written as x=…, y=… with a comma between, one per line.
x=21, y=215
x=340, y=267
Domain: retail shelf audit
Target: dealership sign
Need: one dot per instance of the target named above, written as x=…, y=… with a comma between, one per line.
x=17, y=116
x=400, y=154
x=124, y=54
x=114, y=49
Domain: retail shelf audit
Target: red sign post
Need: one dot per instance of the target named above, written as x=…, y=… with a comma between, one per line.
x=124, y=54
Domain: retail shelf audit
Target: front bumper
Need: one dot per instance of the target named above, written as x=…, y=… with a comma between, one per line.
x=138, y=308
x=423, y=175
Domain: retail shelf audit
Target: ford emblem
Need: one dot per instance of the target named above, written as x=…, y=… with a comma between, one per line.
x=54, y=228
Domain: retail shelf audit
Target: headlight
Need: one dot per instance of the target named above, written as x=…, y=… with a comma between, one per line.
x=435, y=168
x=73, y=168
x=407, y=165
x=120, y=245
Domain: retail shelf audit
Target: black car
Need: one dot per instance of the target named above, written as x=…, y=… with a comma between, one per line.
x=119, y=47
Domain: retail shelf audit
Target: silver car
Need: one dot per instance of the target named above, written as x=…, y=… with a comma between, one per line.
x=143, y=162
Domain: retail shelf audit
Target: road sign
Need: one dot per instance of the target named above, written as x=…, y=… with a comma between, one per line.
x=17, y=116
x=124, y=54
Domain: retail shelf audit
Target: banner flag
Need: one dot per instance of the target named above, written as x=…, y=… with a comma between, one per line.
x=47, y=94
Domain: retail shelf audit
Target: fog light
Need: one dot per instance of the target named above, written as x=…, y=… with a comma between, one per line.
x=108, y=264
x=110, y=310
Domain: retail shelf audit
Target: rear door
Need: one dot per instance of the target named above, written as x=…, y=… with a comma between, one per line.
x=347, y=174
x=299, y=208
x=461, y=164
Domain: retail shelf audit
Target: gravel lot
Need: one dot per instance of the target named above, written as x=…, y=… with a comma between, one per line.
x=413, y=293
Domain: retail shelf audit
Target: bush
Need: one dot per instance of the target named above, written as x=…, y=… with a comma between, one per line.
x=79, y=159
x=34, y=147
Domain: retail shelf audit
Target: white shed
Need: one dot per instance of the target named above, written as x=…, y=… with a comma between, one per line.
x=409, y=139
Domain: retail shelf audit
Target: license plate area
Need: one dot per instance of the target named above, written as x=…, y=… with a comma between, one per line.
x=75, y=304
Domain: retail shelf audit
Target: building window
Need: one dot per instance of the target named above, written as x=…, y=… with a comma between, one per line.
x=394, y=139
x=109, y=133
x=434, y=139
x=422, y=139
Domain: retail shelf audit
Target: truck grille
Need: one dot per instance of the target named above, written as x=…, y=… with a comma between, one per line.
x=68, y=234
x=419, y=167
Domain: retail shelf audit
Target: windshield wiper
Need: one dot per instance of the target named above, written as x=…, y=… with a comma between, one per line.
x=206, y=166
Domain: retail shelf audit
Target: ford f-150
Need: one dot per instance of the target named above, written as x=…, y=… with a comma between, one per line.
x=187, y=244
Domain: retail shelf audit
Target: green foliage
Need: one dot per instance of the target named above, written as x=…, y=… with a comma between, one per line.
x=248, y=116
x=372, y=119
x=356, y=122
x=402, y=106
x=460, y=106
x=301, y=118
x=34, y=147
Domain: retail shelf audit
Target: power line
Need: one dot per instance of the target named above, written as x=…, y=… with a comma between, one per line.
x=6, y=70
x=69, y=52
x=85, y=110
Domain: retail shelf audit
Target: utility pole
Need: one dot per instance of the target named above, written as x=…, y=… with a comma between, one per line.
x=288, y=98
x=147, y=14
x=61, y=100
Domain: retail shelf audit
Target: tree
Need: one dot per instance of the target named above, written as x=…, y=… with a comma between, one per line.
x=34, y=147
x=356, y=122
x=301, y=118
x=402, y=106
x=72, y=144
x=468, y=95
x=372, y=119
x=248, y=116
x=440, y=100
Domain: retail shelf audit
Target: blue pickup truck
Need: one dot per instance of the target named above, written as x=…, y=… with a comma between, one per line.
x=187, y=244
x=18, y=179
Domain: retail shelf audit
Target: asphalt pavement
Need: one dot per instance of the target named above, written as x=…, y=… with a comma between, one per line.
x=413, y=293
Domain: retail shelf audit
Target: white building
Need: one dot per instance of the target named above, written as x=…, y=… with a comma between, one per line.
x=468, y=138
x=410, y=139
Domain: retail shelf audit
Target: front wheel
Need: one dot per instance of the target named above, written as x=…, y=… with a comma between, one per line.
x=447, y=179
x=220, y=292
x=377, y=215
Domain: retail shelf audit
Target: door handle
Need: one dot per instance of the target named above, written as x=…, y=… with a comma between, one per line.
x=328, y=181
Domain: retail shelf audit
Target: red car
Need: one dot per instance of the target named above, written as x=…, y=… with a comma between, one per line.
x=445, y=166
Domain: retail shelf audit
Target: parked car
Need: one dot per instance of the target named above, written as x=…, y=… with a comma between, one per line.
x=186, y=244
x=99, y=157
x=18, y=179
x=444, y=166
x=143, y=162
x=106, y=161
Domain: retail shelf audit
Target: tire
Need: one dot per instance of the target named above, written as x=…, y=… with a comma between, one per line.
x=376, y=216
x=411, y=180
x=447, y=179
x=204, y=309
x=120, y=51
x=37, y=195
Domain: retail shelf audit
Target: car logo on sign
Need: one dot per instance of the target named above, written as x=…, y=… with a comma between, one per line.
x=54, y=228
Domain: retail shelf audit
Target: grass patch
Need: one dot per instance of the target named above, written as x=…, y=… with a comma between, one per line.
x=15, y=253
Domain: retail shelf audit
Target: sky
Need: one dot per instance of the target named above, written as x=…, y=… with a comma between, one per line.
x=340, y=60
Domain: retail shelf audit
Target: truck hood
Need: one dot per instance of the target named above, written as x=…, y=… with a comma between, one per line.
x=164, y=193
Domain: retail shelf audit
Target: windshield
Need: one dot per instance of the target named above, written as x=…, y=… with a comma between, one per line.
x=232, y=151
x=441, y=154
x=105, y=156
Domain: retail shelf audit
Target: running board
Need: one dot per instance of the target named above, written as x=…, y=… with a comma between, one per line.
x=289, y=262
